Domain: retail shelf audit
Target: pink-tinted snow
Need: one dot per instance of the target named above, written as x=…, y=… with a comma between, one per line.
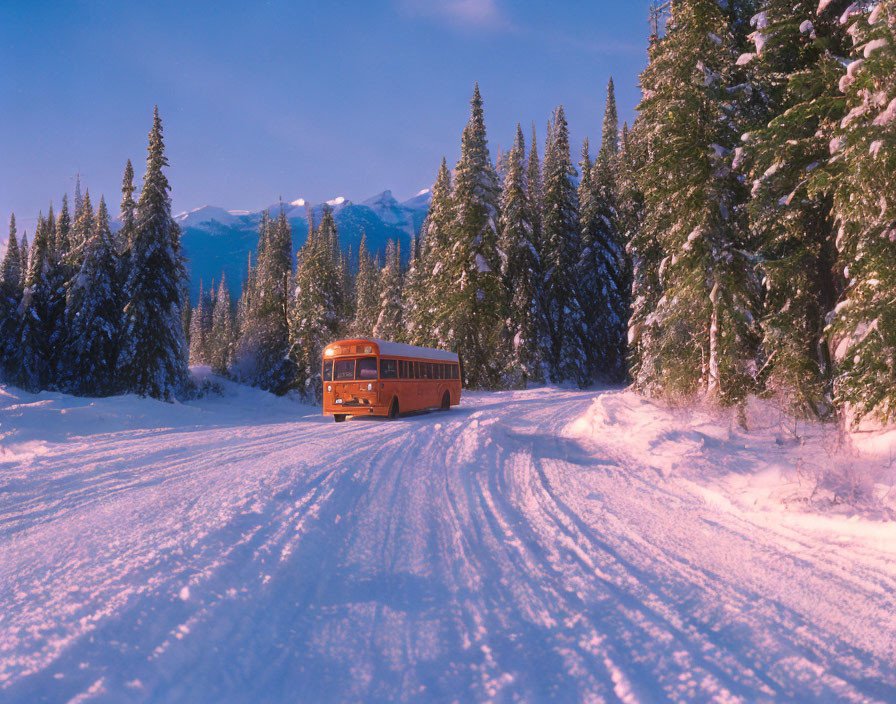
x=527, y=545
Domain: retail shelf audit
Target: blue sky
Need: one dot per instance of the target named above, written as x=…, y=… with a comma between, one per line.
x=267, y=99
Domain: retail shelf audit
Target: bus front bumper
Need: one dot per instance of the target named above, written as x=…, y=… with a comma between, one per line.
x=354, y=407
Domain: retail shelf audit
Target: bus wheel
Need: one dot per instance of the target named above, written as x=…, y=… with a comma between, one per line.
x=393, y=409
x=446, y=401
x=339, y=418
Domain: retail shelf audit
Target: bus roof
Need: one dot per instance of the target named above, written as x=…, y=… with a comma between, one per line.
x=398, y=349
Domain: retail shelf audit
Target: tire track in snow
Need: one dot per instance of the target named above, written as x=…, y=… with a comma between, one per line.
x=473, y=555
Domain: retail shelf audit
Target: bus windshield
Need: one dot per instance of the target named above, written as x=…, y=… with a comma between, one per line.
x=344, y=370
x=366, y=368
x=354, y=369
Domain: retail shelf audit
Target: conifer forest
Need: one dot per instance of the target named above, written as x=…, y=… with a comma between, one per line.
x=738, y=238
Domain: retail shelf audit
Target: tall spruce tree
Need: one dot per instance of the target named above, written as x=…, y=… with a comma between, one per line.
x=599, y=270
x=82, y=231
x=366, y=290
x=329, y=236
x=64, y=235
x=11, y=279
x=264, y=346
x=563, y=317
x=431, y=323
x=221, y=342
x=863, y=328
x=642, y=258
x=93, y=316
x=702, y=334
x=57, y=280
x=128, y=209
x=412, y=292
x=471, y=310
x=609, y=146
x=200, y=330
x=313, y=315
x=389, y=324
x=153, y=359
x=796, y=71
x=521, y=269
x=535, y=189
x=79, y=201
x=24, y=255
x=31, y=361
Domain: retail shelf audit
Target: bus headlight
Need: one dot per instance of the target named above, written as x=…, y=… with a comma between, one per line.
x=329, y=388
x=370, y=387
x=328, y=353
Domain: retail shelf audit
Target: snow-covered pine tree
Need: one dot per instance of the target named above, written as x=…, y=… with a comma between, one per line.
x=244, y=305
x=313, y=314
x=24, y=255
x=641, y=260
x=265, y=232
x=471, y=309
x=186, y=317
x=11, y=276
x=201, y=327
x=535, y=189
x=125, y=236
x=64, y=234
x=389, y=324
x=601, y=270
x=32, y=370
x=263, y=349
x=863, y=329
x=609, y=146
x=93, y=316
x=563, y=317
x=795, y=69
x=428, y=328
x=79, y=201
x=82, y=231
x=221, y=341
x=412, y=292
x=598, y=271
x=329, y=236
x=153, y=359
x=57, y=280
x=521, y=269
x=366, y=292
x=12, y=261
x=701, y=335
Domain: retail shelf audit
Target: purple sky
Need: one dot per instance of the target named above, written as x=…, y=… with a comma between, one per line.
x=267, y=99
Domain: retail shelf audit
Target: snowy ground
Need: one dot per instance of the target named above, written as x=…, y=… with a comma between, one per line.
x=533, y=545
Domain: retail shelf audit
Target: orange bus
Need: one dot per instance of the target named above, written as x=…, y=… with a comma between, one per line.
x=365, y=377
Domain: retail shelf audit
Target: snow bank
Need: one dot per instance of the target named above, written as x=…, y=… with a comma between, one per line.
x=774, y=460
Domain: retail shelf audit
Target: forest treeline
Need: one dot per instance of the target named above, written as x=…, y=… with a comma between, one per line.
x=739, y=238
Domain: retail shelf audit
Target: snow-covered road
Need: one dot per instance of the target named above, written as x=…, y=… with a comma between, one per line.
x=250, y=550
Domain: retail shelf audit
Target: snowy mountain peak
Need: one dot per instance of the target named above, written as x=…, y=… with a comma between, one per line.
x=298, y=202
x=205, y=214
x=338, y=200
x=384, y=199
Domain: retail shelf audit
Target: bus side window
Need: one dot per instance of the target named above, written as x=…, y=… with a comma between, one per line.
x=388, y=369
x=415, y=370
x=454, y=374
x=441, y=371
x=328, y=370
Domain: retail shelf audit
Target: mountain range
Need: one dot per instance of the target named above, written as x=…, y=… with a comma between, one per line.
x=217, y=240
